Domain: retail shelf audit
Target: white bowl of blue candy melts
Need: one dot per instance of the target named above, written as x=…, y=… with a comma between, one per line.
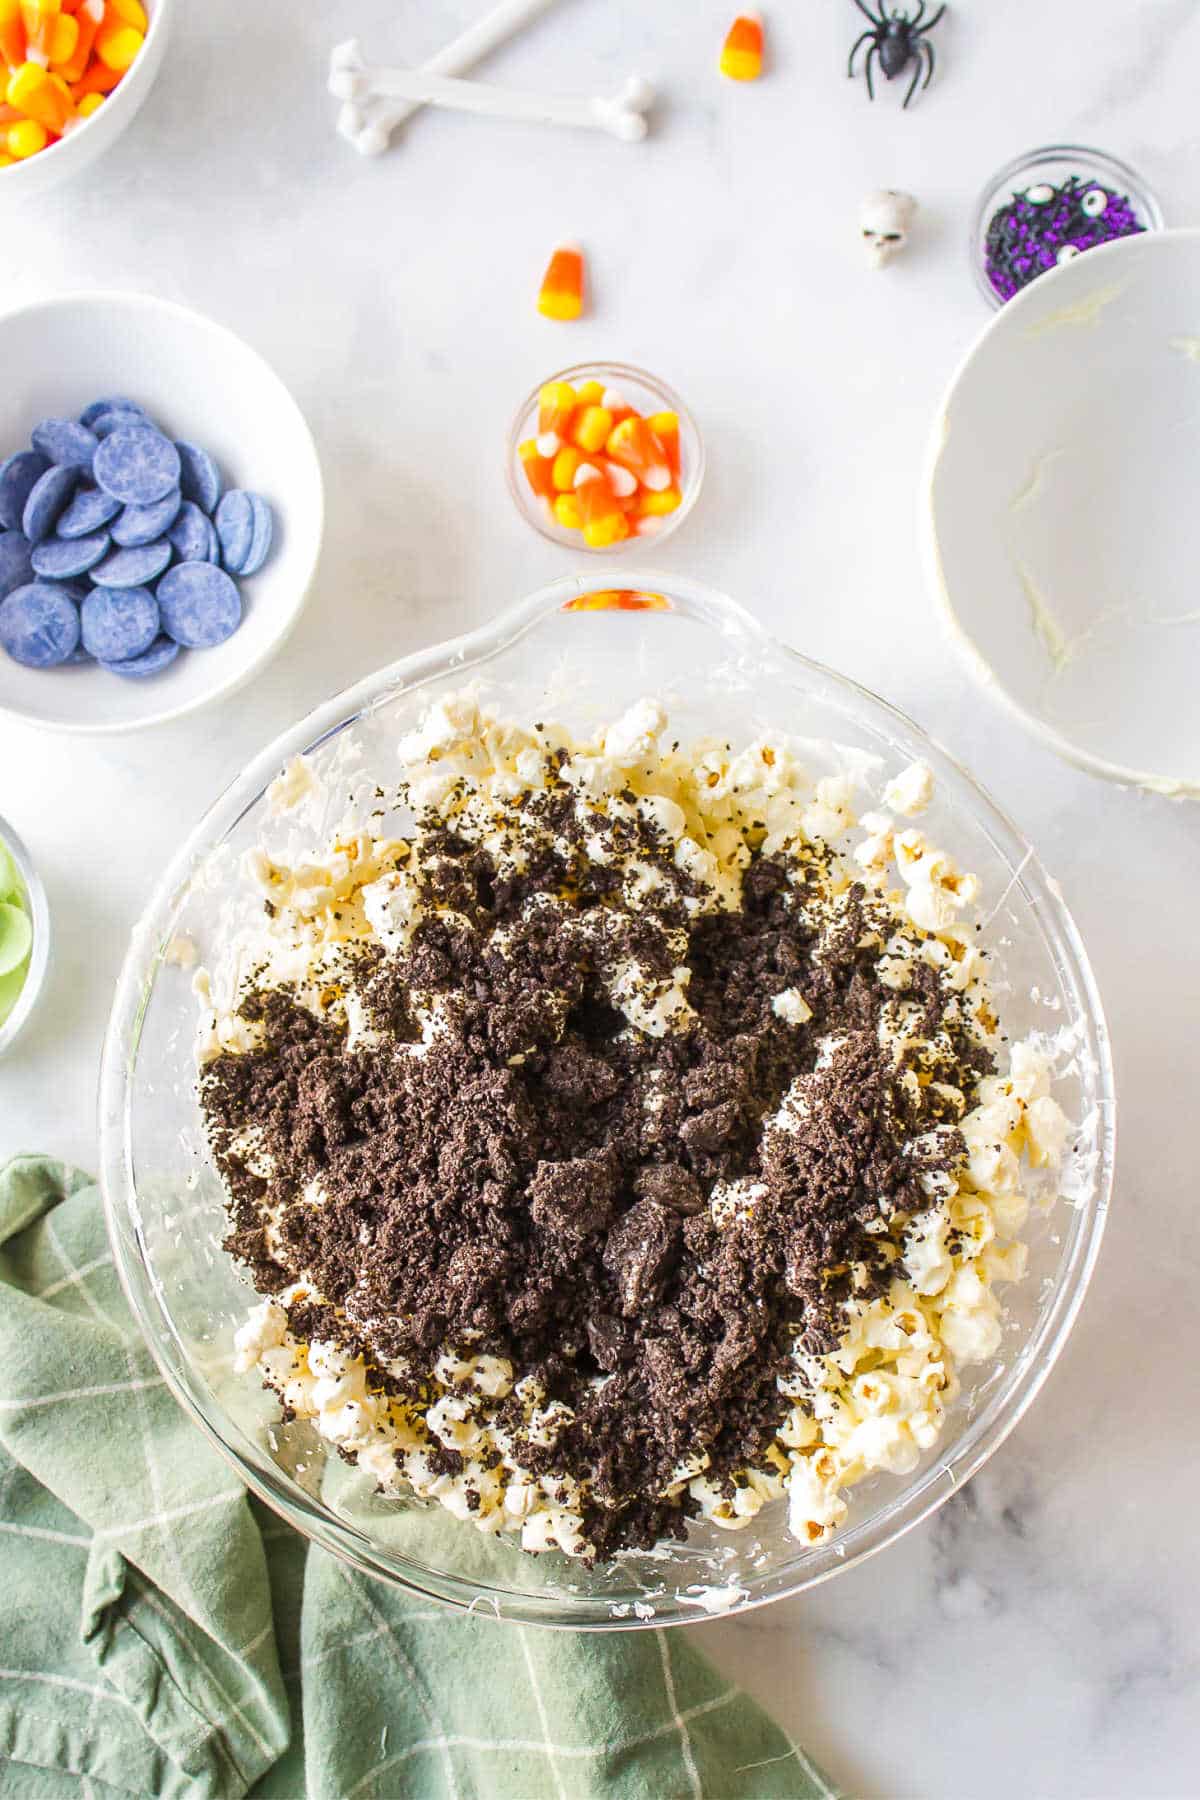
x=199, y=383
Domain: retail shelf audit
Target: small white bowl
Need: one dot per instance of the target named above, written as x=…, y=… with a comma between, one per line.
x=1061, y=525
x=89, y=140
x=198, y=381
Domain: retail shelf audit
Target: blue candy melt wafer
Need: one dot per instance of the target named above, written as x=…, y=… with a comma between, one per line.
x=110, y=403
x=63, y=441
x=132, y=567
x=39, y=626
x=16, y=564
x=47, y=501
x=244, y=526
x=91, y=509
x=162, y=651
x=108, y=422
x=143, y=524
x=119, y=623
x=137, y=465
x=200, y=605
x=57, y=559
x=17, y=477
x=200, y=480
x=194, y=535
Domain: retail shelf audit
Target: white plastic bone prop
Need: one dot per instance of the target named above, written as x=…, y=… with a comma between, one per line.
x=369, y=125
x=350, y=79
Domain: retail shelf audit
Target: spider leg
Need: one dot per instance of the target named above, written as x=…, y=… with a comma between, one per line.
x=930, y=23
x=858, y=46
x=922, y=49
x=867, y=13
x=873, y=51
x=920, y=14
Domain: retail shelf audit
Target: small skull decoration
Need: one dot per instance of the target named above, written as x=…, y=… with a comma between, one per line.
x=885, y=219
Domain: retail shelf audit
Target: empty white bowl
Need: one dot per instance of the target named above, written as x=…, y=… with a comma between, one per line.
x=198, y=381
x=1061, y=520
x=89, y=140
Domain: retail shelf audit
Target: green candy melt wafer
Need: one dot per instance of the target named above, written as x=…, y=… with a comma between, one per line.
x=16, y=937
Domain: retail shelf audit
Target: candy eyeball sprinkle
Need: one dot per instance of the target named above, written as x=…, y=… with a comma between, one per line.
x=1066, y=252
x=1040, y=195
x=1094, y=202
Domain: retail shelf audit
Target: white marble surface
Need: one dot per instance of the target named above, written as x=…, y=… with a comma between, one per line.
x=1041, y=1636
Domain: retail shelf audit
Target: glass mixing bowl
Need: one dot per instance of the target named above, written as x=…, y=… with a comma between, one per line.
x=579, y=651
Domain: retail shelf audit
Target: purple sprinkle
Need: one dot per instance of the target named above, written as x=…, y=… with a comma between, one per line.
x=1025, y=237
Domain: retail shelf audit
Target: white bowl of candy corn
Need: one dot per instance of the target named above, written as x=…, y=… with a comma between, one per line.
x=602, y=456
x=74, y=74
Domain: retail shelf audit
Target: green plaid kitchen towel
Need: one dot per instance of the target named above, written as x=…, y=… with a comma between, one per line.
x=162, y=1634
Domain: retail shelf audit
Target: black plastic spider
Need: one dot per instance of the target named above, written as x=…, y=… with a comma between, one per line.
x=897, y=39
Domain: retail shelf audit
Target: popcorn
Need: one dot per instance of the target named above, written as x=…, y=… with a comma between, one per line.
x=910, y=792
x=878, y=1400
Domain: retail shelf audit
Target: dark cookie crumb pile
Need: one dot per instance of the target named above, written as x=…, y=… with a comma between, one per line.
x=534, y=1181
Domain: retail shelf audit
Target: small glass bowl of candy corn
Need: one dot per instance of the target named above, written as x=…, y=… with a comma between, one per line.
x=602, y=456
x=66, y=65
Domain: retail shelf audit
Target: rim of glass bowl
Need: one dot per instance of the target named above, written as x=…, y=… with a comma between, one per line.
x=1001, y=1409
x=1082, y=158
x=39, y=955
x=692, y=457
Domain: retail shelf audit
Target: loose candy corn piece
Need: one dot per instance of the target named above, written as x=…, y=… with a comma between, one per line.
x=591, y=428
x=568, y=513
x=742, y=54
x=561, y=295
x=117, y=45
x=556, y=406
x=89, y=104
x=590, y=393
x=635, y=447
x=665, y=426
x=538, y=468
x=564, y=468
x=129, y=12
x=604, y=520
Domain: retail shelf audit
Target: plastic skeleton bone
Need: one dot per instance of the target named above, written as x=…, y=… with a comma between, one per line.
x=369, y=127
x=623, y=116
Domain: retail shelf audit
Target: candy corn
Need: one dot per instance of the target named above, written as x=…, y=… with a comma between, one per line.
x=561, y=295
x=742, y=53
x=635, y=447
x=556, y=408
x=538, y=468
x=602, y=514
x=37, y=94
x=58, y=59
x=599, y=467
x=88, y=20
x=665, y=426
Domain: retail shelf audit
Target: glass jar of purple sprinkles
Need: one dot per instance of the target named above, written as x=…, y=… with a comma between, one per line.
x=1049, y=205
